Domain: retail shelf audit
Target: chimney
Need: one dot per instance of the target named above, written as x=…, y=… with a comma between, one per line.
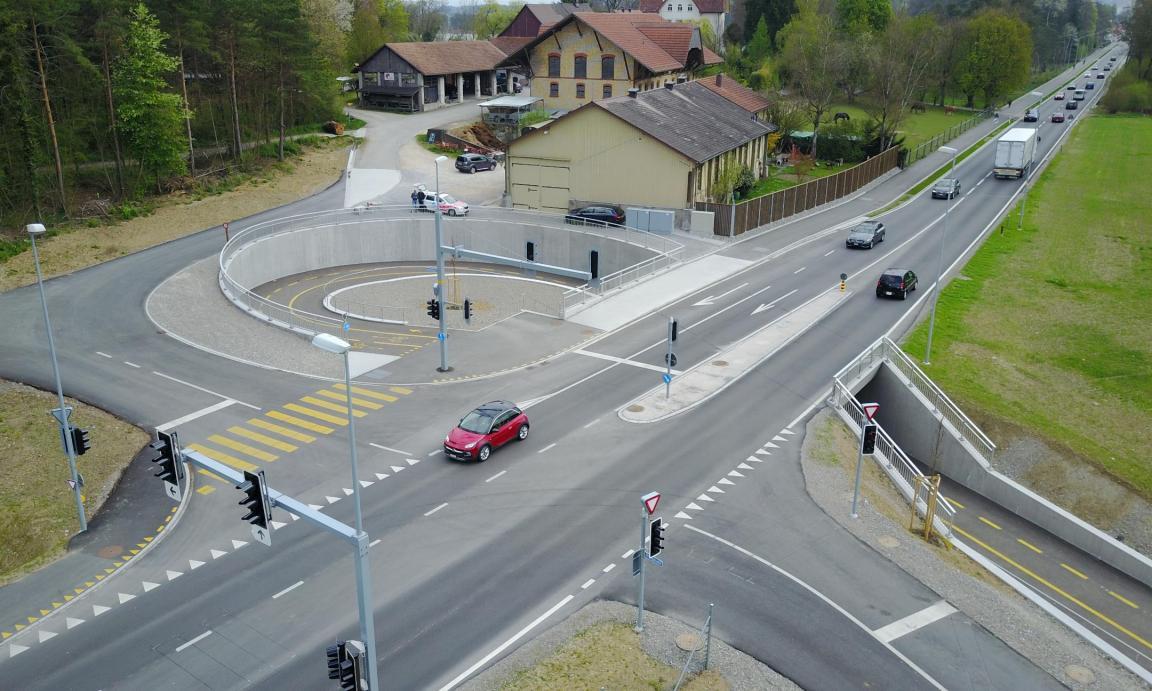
x=632, y=92
x=720, y=80
x=669, y=85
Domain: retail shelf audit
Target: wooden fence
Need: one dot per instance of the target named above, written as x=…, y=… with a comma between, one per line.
x=760, y=211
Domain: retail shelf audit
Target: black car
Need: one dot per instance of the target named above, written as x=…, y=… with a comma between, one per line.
x=866, y=235
x=896, y=283
x=1070, y=105
x=1112, y=59
x=596, y=215
x=1031, y=115
x=470, y=163
x=946, y=188
x=1070, y=87
x=1091, y=85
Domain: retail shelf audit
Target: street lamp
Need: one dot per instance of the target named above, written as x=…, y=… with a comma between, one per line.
x=332, y=344
x=443, y=333
x=62, y=413
x=940, y=263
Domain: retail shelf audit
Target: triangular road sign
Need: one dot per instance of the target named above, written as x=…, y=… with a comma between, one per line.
x=870, y=409
x=650, y=501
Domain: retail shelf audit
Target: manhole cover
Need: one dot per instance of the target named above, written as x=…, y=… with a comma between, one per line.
x=889, y=541
x=720, y=363
x=1080, y=674
x=635, y=408
x=689, y=641
x=110, y=552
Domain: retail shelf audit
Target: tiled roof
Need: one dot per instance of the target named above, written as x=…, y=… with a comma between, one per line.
x=689, y=118
x=623, y=29
x=449, y=57
x=736, y=92
x=510, y=44
x=673, y=37
x=705, y=6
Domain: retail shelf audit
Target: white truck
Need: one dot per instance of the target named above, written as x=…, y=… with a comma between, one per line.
x=1015, y=152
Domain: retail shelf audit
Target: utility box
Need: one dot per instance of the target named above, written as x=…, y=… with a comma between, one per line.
x=703, y=222
x=657, y=221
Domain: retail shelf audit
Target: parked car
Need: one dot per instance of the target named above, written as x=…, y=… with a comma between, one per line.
x=448, y=205
x=1031, y=115
x=866, y=235
x=596, y=215
x=896, y=283
x=1057, y=117
x=486, y=428
x=1071, y=105
x=470, y=163
x=1060, y=96
x=946, y=188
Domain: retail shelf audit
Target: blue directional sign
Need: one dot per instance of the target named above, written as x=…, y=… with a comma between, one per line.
x=347, y=326
x=667, y=378
x=441, y=335
x=656, y=560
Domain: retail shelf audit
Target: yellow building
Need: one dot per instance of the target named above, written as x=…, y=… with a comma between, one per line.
x=662, y=148
x=589, y=56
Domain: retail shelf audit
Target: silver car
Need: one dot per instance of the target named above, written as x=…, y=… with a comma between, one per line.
x=866, y=235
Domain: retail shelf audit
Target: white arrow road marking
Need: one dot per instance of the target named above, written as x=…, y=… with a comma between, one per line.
x=725, y=481
x=735, y=473
x=682, y=515
x=695, y=507
x=173, y=575
x=331, y=500
x=704, y=497
x=770, y=305
x=125, y=597
x=14, y=650
x=745, y=466
x=712, y=298
x=715, y=489
x=217, y=553
x=97, y=610
x=237, y=544
x=45, y=635
x=148, y=585
x=381, y=476
x=73, y=622
x=195, y=564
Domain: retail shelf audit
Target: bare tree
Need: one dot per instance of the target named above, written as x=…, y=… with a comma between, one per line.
x=899, y=62
x=813, y=56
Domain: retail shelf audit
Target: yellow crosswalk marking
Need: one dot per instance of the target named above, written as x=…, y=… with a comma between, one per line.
x=314, y=413
x=206, y=489
x=224, y=458
x=360, y=391
x=282, y=431
x=403, y=391
x=263, y=439
x=242, y=448
x=355, y=401
x=205, y=473
x=291, y=419
x=343, y=410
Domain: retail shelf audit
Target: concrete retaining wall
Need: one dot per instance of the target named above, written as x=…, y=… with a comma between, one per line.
x=911, y=422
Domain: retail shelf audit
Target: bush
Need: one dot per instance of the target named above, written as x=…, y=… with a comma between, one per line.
x=842, y=140
x=1135, y=97
x=745, y=181
x=333, y=127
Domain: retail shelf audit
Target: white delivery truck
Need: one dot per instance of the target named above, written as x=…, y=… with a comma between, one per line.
x=1014, y=153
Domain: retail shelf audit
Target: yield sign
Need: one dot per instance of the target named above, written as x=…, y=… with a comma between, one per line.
x=870, y=409
x=650, y=501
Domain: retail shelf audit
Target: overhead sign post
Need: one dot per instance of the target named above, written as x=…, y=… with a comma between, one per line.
x=650, y=502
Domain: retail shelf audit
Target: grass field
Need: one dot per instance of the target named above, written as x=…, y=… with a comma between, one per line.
x=916, y=128
x=1050, y=328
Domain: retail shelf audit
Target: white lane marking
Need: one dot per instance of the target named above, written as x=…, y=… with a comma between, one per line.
x=195, y=640
x=587, y=583
x=436, y=509
x=132, y=364
x=770, y=305
x=504, y=646
x=388, y=448
x=433, y=453
x=627, y=554
x=546, y=447
x=591, y=423
x=712, y=298
x=799, y=270
x=104, y=355
x=609, y=567
x=496, y=476
x=828, y=601
x=207, y=391
x=916, y=620
x=287, y=590
x=197, y=414
x=829, y=252
x=374, y=542
x=623, y=361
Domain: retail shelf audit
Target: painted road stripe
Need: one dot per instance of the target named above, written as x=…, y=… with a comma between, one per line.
x=608, y=568
x=624, y=361
x=361, y=391
x=389, y=448
x=1123, y=599
x=799, y=270
x=316, y=414
x=214, y=476
x=206, y=490
x=436, y=509
x=242, y=448
x=289, y=589
x=104, y=355
x=496, y=476
x=402, y=390
x=546, y=448
x=988, y=522
x=192, y=416
x=374, y=542
x=916, y=620
x=132, y=364
x=224, y=458
x=355, y=401
x=299, y=422
x=587, y=583
x=1073, y=571
x=343, y=410
x=282, y=431
x=207, y=391
x=591, y=423
x=195, y=640
x=263, y=439
x=1030, y=546
x=958, y=504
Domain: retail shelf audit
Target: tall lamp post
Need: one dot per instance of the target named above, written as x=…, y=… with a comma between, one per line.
x=940, y=263
x=62, y=416
x=443, y=333
x=332, y=344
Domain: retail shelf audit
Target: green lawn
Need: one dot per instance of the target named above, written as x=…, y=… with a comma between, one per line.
x=1050, y=328
x=786, y=177
x=916, y=128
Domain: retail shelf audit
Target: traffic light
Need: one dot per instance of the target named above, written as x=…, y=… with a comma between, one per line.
x=337, y=658
x=672, y=329
x=434, y=308
x=467, y=310
x=656, y=546
x=358, y=677
x=868, y=441
x=255, y=499
x=80, y=441
x=168, y=459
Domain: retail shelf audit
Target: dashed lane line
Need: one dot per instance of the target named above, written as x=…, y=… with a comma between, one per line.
x=132, y=364
x=429, y=513
x=496, y=476
x=547, y=448
x=990, y=523
x=104, y=355
x=389, y=448
x=1029, y=545
x=194, y=641
x=1073, y=571
x=287, y=590
x=587, y=583
x=1123, y=599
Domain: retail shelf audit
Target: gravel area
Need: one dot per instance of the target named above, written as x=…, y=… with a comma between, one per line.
x=828, y=459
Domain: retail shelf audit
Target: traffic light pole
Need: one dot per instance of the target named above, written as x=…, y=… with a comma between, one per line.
x=640, y=597
x=859, y=471
x=443, y=334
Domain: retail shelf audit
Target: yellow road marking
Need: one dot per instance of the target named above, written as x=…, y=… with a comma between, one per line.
x=1030, y=546
x=310, y=426
x=1052, y=587
x=283, y=431
x=5, y=634
x=206, y=489
x=1073, y=571
x=985, y=520
x=367, y=392
x=223, y=458
x=1123, y=599
x=316, y=414
x=263, y=439
x=355, y=401
x=955, y=503
x=206, y=473
x=329, y=405
x=242, y=448
x=400, y=390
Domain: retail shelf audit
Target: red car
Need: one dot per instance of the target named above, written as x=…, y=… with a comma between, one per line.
x=488, y=427
x=1057, y=117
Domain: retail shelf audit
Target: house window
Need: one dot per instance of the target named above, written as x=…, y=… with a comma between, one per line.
x=607, y=66
x=669, y=8
x=689, y=7
x=679, y=8
x=554, y=90
x=579, y=91
x=607, y=91
x=553, y=64
x=581, y=67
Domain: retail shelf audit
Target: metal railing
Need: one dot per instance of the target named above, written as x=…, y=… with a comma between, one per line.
x=924, y=148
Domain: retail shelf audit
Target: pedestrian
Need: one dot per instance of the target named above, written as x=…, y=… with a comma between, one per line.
x=420, y=197
x=1009, y=103
x=414, y=205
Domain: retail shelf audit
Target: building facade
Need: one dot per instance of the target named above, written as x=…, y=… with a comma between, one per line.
x=419, y=76
x=715, y=12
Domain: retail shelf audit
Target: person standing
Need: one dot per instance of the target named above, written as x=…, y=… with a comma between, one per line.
x=415, y=207
x=420, y=197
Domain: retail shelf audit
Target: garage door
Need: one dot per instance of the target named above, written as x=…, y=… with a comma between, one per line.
x=541, y=185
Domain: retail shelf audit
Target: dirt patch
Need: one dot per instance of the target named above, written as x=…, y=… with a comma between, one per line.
x=478, y=133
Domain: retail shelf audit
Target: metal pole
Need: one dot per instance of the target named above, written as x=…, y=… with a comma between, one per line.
x=363, y=583
x=859, y=470
x=668, y=366
x=640, y=599
x=708, y=640
x=65, y=424
x=939, y=280
x=443, y=335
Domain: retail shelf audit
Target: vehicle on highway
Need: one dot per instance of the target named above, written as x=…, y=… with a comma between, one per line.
x=946, y=188
x=865, y=236
x=1057, y=117
x=1079, y=95
x=1112, y=59
x=1099, y=76
x=486, y=428
x=1071, y=105
x=1031, y=115
x=596, y=215
x=896, y=283
x=449, y=205
x=1060, y=96
x=1070, y=87
x=1015, y=151
x=470, y=163
x=1107, y=68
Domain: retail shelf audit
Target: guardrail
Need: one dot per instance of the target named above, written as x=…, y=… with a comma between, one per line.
x=925, y=148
